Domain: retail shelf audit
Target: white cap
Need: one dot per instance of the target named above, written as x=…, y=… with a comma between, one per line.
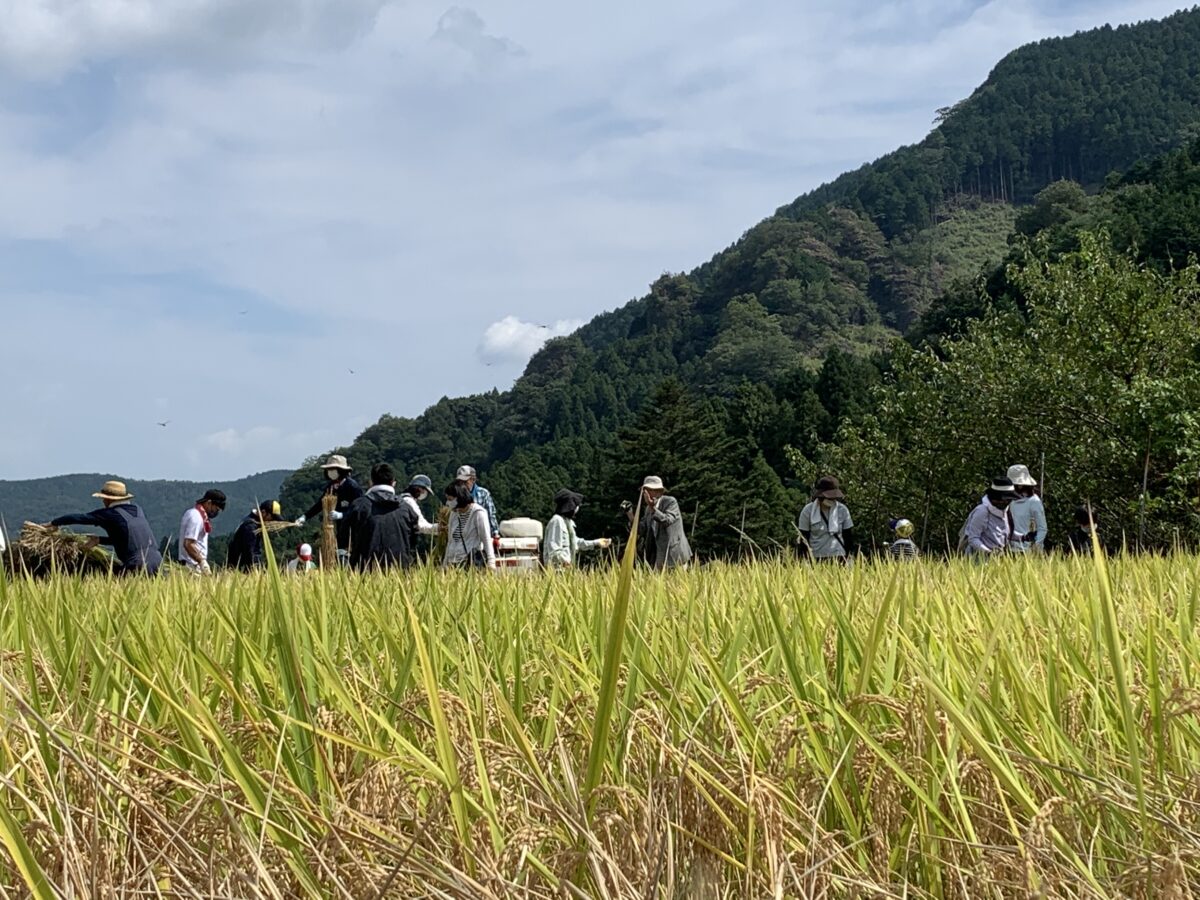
x=463, y=473
x=653, y=483
x=306, y=551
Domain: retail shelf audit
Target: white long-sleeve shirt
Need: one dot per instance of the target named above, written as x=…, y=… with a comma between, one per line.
x=423, y=526
x=561, y=545
x=1028, y=514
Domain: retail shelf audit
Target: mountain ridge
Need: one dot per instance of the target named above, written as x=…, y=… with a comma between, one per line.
x=163, y=500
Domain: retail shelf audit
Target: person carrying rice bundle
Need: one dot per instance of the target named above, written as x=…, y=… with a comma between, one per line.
x=125, y=526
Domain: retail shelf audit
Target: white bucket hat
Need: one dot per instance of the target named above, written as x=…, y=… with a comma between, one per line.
x=1019, y=476
x=653, y=483
x=337, y=461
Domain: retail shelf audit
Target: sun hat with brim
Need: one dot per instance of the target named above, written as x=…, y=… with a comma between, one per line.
x=827, y=488
x=113, y=490
x=1019, y=475
x=421, y=481
x=653, y=483
x=337, y=461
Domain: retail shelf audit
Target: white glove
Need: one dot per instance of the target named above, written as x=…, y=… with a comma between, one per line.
x=336, y=516
x=300, y=521
x=204, y=569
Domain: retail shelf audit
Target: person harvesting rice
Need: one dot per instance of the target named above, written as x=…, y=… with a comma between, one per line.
x=125, y=527
x=246, y=546
x=382, y=526
x=468, y=533
x=481, y=495
x=661, y=527
x=561, y=545
x=345, y=489
x=825, y=525
x=194, y=529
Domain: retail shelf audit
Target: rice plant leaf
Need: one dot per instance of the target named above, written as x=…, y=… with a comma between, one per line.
x=598, y=753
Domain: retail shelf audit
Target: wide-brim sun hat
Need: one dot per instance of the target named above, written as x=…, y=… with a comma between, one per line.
x=113, y=490
x=421, y=481
x=1019, y=475
x=653, y=483
x=827, y=488
x=337, y=461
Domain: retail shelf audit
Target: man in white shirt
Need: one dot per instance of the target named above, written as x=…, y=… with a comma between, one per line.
x=194, y=530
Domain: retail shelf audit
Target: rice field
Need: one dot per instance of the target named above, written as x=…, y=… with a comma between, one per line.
x=1024, y=729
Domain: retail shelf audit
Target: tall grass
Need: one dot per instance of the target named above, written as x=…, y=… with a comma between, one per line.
x=936, y=730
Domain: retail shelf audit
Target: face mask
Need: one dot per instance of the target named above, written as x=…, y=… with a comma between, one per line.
x=827, y=504
x=421, y=495
x=214, y=513
x=331, y=474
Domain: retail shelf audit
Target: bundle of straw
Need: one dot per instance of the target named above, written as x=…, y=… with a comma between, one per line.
x=442, y=537
x=41, y=551
x=329, y=557
x=274, y=527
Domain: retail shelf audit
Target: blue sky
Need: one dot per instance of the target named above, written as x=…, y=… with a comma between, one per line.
x=214, y=210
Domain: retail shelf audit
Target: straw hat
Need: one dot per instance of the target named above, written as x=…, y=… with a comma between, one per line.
x=113, y=490
x=653, y=483
x=337, y=461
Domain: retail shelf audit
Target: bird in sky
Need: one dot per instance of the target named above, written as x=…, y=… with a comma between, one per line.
x=243, y=312
x=164, y=424
x=351, y=371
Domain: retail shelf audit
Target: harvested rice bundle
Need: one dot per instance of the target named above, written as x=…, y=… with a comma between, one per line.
x=41, y=551
x=329, y=557
x=274, y=527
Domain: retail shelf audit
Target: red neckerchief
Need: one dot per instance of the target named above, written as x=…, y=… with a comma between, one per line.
x=204, y=516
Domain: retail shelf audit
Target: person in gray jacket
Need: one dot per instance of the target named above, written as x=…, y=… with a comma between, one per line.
x=662, y=527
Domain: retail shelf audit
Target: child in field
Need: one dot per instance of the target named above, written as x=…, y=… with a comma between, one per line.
x=903, y=547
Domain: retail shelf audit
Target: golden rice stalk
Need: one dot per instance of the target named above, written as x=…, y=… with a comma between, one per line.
x=275, y=527
x=329, y=555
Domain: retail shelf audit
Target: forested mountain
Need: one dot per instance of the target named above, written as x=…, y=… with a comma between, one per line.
x=41, y=499
x=735, y=380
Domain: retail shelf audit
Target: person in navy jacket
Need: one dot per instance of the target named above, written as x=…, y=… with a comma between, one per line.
x=126, y=529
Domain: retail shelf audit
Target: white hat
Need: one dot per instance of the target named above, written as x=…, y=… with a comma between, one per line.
x=1019, y=475
x=306, y=551
x=653, y=483
x=463, y=473
x=337, y=461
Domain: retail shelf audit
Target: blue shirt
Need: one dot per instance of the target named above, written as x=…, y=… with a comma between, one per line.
x=483, y=497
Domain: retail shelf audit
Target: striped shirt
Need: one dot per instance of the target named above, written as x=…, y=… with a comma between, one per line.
x=903, y=548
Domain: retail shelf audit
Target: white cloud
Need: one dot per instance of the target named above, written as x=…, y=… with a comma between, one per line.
x=464, y=28
x=48, y=38
x=513, y=341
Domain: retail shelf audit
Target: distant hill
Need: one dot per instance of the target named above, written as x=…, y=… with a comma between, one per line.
x=776, y=333
x=41, y=499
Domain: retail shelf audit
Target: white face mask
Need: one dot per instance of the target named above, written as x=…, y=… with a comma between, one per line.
x=332, y=474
